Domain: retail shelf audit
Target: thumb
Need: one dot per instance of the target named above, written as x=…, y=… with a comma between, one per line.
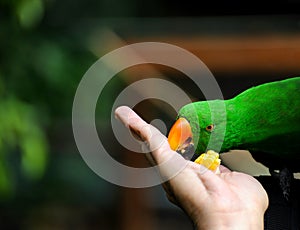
x=168, y=161
x=153, y=139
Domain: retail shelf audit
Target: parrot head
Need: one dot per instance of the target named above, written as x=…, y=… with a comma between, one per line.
x=191, y=134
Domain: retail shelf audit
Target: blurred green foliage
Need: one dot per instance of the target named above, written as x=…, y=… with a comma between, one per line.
x=39, y=73
x=20, y=130
x=30, y=12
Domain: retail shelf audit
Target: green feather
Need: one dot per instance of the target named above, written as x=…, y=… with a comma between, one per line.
x=265, y=118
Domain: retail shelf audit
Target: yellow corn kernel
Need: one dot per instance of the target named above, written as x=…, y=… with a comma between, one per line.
x=210, y=160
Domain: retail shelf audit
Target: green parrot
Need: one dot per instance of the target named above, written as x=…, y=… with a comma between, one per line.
x=264, y=120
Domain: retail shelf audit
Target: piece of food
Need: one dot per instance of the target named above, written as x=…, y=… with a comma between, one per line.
x=210, y=160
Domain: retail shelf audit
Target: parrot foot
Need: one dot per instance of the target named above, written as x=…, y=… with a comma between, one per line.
x=210, y=160
x=285, y=177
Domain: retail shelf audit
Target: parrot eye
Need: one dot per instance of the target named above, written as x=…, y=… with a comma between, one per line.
x=210, y=128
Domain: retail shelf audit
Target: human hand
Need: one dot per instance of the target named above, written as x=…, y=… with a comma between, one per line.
x=229, y=200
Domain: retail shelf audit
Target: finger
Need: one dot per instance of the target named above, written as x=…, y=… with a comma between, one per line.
x=139, y=128
x=156, y=141
x=129, y=118
x=209, y=179
x=169, y=161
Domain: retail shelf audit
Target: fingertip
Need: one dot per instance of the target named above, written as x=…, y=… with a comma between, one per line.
x=121, y=112
x=156, y=141
x=128, y=117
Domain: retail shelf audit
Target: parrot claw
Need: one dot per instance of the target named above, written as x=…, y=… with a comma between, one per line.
x=210, y=160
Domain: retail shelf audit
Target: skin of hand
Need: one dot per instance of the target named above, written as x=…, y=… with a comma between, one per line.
x=229, y=200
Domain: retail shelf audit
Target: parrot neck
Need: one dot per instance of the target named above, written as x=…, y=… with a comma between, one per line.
x=242, y=127
x=266, y=131
x=245, y=127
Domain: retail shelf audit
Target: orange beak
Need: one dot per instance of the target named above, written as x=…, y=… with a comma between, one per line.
x=180, y=137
